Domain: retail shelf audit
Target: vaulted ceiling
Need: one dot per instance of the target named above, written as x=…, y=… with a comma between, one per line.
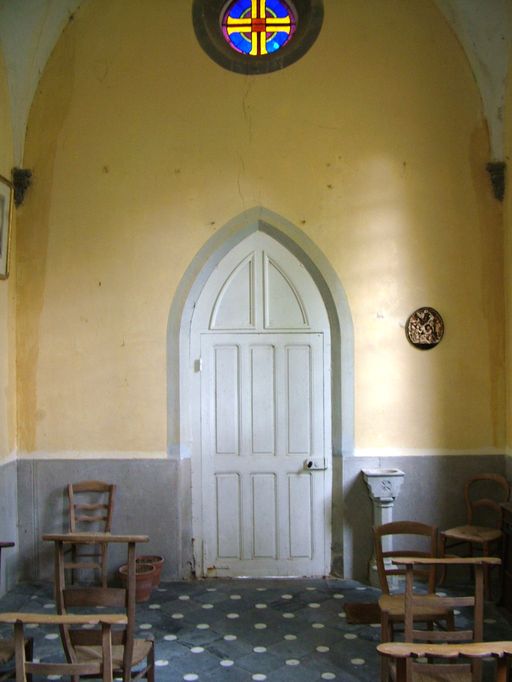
x=29, y=29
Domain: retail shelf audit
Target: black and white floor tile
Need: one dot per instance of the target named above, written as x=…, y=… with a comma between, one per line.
x=244, y=630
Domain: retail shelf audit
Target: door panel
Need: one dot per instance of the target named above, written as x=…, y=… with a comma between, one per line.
x=262, y=428
x=264, y=516
x=227, y=399
x=301, y=515
x=229, y=522
x=298, y=384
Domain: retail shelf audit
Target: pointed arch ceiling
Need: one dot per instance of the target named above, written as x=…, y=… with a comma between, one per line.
x=30, y=29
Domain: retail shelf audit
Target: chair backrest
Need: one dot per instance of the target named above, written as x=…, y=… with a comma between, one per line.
x=415, y=539
x=472, y=631
x=123, y=599
x=90, y=598
x=91, y=505
x=101, y=667
x=483, y=494
x=4, y=545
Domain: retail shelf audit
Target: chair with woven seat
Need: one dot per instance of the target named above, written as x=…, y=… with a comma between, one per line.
x=7, y=656
x=418, y=540
x=128, y=653
x=7, y=649
x=433, y=646
x=483, y=494
x=100, y=666
x=91, y=506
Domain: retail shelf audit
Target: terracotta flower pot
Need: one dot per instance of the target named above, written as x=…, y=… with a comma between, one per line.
x=144, y=574
x=154, y=560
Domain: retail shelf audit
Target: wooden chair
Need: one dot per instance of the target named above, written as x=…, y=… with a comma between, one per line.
x=7, y=650
x=91, y=506
x=83, y=645
x=402, y=652
x=483, y=494
x=99, y=667
x=408, y=668
x=416, y=540
x=8, y=657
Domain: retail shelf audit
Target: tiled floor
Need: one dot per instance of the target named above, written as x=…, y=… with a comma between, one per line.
x=238, y=630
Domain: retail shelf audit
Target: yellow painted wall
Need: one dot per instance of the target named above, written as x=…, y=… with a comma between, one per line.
x=7, y=294
x=142, y=148
x=507, y=221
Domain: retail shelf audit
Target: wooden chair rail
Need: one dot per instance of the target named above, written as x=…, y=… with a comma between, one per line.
x=455, y=561
x=63, y=668
x=64, y=619
x=93, y=538
x=91, y=518
x=471, y=650
x=106, y=596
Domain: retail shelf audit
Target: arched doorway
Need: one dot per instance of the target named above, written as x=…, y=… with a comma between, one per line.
x=261, y=338
x=185, y=374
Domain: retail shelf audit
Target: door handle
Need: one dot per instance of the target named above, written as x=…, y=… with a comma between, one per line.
x=315, y=464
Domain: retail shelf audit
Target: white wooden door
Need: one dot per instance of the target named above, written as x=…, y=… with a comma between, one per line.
x=264, y=386
x=264, y=404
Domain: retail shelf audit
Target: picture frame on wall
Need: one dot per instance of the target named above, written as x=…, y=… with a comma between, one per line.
x=6, y=201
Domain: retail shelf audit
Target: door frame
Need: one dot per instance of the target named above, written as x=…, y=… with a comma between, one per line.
x=183, y=443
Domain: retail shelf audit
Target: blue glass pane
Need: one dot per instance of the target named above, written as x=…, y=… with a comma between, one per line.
x=238, y=8
x=277, y=41
x=240, y=42
x=278, y=8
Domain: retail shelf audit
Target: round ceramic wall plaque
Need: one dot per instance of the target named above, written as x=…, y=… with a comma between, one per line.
x=424, y=328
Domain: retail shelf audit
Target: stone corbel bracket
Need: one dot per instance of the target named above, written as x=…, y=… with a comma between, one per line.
x=21, y=180
x=496, y=170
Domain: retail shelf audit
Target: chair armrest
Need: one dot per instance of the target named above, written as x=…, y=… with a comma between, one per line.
x=93, y=538
x=472, y=650
x=446, y=561
x=67, y=619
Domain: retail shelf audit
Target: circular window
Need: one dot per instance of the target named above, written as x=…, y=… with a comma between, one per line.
x=258, y=27
x=256, y=36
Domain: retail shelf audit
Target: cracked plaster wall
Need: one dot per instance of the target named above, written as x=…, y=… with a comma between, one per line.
x=485, y=32
x=141, y=147
x=29, y=30
x=373, y=144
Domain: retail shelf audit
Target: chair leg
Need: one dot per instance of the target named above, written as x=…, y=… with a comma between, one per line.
x=29, y=654
x=150, y=673
x=487, y=576
x=104, y=564
x=501, y=672
x=401, y=670
x=442, y=553
x=74, y=559
x=385, y=636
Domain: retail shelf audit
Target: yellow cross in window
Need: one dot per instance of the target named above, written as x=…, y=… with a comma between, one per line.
x=258, y=25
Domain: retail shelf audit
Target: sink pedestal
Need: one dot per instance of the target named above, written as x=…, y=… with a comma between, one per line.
x=383, y=486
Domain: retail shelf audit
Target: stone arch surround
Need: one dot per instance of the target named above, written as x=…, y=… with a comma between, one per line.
x=180, y=432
